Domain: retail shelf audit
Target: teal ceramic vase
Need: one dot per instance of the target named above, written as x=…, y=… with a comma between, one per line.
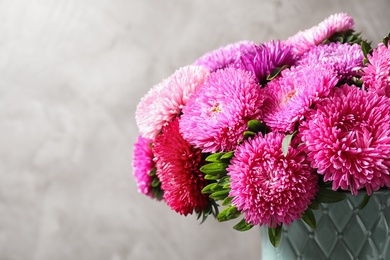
x=343, y=232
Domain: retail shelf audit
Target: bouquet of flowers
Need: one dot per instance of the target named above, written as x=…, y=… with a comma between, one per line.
x=269, y=131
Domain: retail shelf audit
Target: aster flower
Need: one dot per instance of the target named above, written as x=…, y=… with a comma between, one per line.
x=347, y=138
x=268, y=187
x=304, y=40
x=224, y=56
x=376, y=76
x=143, y=164
x=165, y=101
x=345, y=59
x=216, y=115
x=262, y=59
x=178, y=164
x=290, y=96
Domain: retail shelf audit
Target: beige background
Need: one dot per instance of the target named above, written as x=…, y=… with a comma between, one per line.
x=71, y=74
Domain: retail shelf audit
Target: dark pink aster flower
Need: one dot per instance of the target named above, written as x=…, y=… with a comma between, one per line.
x=165, y=100
x=178, y=164
x=143, y=164
x=347, y=138
x=290, y=96
x=224, y=56
x=304, y=40
x=268, y=187
x=262, y=59
x=345, y=59
x=376, y=76
x=216, y=115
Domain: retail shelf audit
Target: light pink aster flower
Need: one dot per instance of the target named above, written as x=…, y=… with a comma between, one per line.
x=143, y=164
x=347, y=138
x=290, y=96
x=268, y=187
x=178, y=165
x=216, y=115
x=376, y=76
x=304, y=40
x=345, y=59
x=165, y=101
x=224, y=56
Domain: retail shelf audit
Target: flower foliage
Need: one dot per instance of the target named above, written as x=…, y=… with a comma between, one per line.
x=269, y=131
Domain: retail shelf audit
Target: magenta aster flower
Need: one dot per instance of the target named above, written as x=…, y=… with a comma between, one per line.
x=347, y=138
x=262, y=59
x=143, y=164
x=224, y=56
x=346, y=59
x=268, y=187
x=178, y=164
x=165, y=101
x=216, y=115
x=304, y=40
x=290, y=96
x=376, y=76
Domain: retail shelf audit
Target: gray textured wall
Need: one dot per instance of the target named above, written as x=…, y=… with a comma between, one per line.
x=71, y=74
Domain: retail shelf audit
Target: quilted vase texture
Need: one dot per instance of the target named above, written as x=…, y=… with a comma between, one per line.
x=343, y=232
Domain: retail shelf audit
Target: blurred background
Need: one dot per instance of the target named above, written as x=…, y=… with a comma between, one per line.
x=71, y=75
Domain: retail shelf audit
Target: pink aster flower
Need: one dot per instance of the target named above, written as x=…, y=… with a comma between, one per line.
x=345, y=59
x=376, y=76
x=347, y=138
x=304, y=40
x=165, y=101
x=216, y=115
x=262, y=59
x=290, y=96
x=178, y=164
x=268, y=187
x=143, y=164
x=224, y=56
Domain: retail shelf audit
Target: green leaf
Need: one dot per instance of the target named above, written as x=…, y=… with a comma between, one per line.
x=226, y=186
x=314, y=205
x=365, y=201
x=365, y=61
x=152, y=172
x=249, y=134
x=229, y=213
x=211, y=177
x=255, y=125
x=358, y=82
x=286, y=142
x=242, y=226
x=349, y=38
x=216, y=168
x=227, y=155
x=223, y=181
x=386, y=40
x=275, y=72
x=214, y=208
x=220, y=195
x=215, y=157
x=155, y=182
x=227, y=201
x=329, y=196
x=157, y=193
x=274, y=235
x=309, y=218
x=209, y=188
x=366, y=48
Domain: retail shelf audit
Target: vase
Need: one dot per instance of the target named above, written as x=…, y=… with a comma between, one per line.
x=344, y=231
